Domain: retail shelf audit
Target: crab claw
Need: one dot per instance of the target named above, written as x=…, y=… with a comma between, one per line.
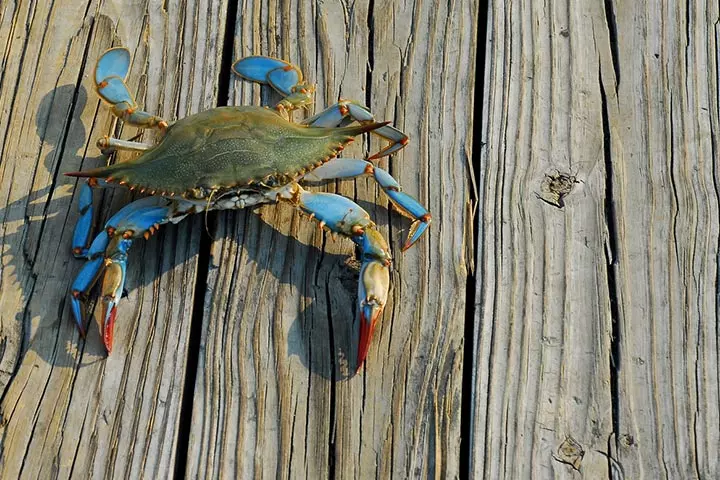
x=112, y=288
x=107, y=257
x=372, y=296
x=342, y=215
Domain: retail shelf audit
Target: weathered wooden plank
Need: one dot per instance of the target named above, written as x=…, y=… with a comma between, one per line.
x=663, y=118
x=275, y=394
x=67, y=411
x=542, y=389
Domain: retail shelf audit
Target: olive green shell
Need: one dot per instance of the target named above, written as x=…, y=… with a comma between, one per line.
x=229, y=146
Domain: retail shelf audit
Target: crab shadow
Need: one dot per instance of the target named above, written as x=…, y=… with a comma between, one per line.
x=322, y=335
x=312, y=303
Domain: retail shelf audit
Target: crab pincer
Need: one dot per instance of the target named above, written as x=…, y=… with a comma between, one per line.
x=112, y=287
x=342, y=215
x=108, y=254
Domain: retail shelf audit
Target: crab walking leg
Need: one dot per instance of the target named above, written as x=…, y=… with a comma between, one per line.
x=107, y=256
x=108, y=144
x=83, y=228
x=342, y=215
x=87, y=277
x=407, y=205
x=348, y=111
x=111, y=71
x=81, y=234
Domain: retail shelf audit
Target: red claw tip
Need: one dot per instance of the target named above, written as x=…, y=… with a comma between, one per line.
x=108, y=329
x=367, y=327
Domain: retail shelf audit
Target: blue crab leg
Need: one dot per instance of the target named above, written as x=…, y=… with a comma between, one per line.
x=110, y=73
x=85, y=280
x=342, y=215
x=87, y=277
x=83, y=228
x=347, y=111
x=108, y=144
x=285, y=78
x=407, y=205
x=81, y=235
x=107, y=256
x=114, y=62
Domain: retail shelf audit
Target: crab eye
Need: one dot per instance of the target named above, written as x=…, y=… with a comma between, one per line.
x=271, y=181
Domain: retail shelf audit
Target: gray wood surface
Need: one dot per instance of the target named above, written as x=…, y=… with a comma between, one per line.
x=665, y=186
x=275, y=393
x=66, y=410
x=597, y=348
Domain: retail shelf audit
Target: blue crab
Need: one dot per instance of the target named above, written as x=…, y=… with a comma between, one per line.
x=232, y=158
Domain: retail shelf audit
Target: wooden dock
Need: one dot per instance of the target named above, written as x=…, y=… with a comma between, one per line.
x=559, y=319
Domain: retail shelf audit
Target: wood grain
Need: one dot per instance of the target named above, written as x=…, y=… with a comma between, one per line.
x=664, y=118
x=275, y=394
x=66, y=410
x=604, y=311
x=542, y=393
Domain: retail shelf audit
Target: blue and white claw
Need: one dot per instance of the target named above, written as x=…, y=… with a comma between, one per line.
x=373, y=287
x=112, y=287
x=407, y=205
x=285, y=78
x=107, y=257
x=341, y=215
x=111, y=71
